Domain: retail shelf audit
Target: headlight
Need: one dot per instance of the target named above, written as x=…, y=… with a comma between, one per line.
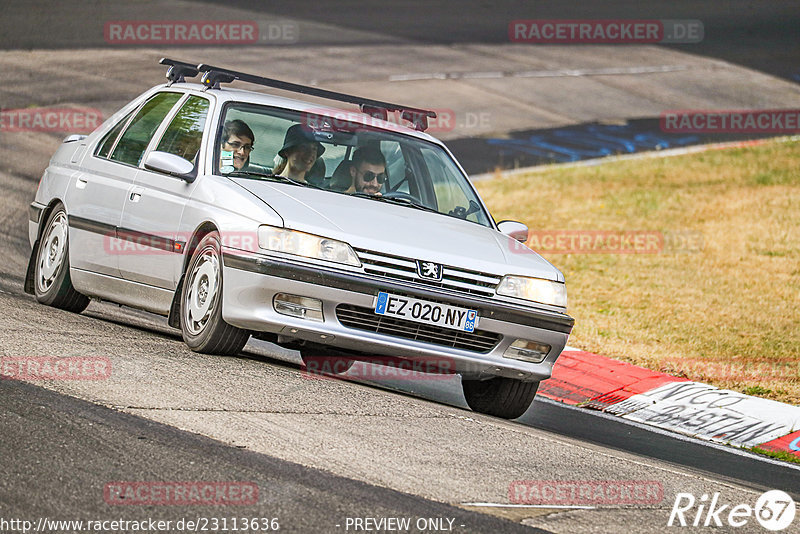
x=535, y=289
x=308, y=245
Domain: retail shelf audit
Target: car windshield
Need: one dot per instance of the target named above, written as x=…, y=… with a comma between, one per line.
x=343, y=157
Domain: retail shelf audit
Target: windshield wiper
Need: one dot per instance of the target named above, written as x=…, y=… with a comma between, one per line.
x=401, y=201
x=408, y=202
x=272, y=176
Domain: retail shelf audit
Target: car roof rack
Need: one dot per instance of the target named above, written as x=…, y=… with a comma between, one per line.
x=178, y=69
x=214, y=76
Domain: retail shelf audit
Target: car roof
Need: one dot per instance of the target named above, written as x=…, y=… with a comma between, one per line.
x=228, y=94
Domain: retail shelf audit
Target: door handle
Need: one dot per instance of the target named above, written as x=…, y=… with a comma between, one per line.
x=80, y=183
x=135, y=194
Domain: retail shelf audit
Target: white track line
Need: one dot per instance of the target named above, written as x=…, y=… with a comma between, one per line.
x=606, y=71
x=502, y=505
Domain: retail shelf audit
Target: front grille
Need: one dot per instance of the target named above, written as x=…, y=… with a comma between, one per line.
x=404, y=269
x=366, y=319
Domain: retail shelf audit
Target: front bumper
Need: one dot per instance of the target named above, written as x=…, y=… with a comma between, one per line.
x=251, y=281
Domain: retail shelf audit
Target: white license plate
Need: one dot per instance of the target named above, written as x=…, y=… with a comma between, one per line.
x=422, y=311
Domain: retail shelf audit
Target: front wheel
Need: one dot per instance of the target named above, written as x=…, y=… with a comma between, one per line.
x=52, y=284
x=202, y=325
x=502, y=397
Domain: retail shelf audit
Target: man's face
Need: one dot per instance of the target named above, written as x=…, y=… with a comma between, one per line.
x=369, y=177
x=241, y=147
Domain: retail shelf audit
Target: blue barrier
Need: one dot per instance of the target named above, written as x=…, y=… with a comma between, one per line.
x=591, y=141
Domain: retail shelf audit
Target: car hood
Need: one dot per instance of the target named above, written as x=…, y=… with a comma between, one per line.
x=400, y=230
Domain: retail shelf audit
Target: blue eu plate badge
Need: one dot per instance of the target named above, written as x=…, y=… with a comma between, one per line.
x=383, y=298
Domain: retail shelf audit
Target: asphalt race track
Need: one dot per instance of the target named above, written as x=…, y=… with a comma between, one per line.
x=324, y=452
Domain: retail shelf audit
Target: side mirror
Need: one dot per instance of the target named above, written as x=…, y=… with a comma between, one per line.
x=514, y=229
x=169, y=164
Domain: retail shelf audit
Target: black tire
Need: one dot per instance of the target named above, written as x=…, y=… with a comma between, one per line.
x=502, y=397
x=202, y=326
x=52, y=284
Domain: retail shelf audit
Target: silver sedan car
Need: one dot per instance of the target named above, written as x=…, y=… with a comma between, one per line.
x=343, y=234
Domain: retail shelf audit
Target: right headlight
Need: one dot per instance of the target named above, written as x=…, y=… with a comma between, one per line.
x=535, y=289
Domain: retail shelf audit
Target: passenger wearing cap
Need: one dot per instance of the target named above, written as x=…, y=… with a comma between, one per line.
x=299, y=153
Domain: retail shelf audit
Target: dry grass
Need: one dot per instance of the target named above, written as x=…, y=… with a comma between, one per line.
x=726, y=314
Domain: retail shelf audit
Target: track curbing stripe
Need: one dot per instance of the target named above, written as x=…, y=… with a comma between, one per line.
x=672, y=403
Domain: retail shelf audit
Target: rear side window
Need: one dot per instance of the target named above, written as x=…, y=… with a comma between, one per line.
x=107, y=143
x=134, y=141
x=185, y=132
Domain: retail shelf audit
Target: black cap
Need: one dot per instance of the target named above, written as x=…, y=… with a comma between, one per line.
x=296, y=135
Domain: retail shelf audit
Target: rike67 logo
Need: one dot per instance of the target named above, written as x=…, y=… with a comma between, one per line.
x=773, y=510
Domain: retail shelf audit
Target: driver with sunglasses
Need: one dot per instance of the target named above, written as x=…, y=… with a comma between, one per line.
x=368, y=170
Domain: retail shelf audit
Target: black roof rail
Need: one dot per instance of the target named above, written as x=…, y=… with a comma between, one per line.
x=214, y=76
x=178, y=69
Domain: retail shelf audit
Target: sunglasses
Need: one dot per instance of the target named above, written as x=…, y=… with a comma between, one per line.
x=369, y=176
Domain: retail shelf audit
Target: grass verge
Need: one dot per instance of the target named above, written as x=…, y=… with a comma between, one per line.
x=778, y=455
x=716, y=299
